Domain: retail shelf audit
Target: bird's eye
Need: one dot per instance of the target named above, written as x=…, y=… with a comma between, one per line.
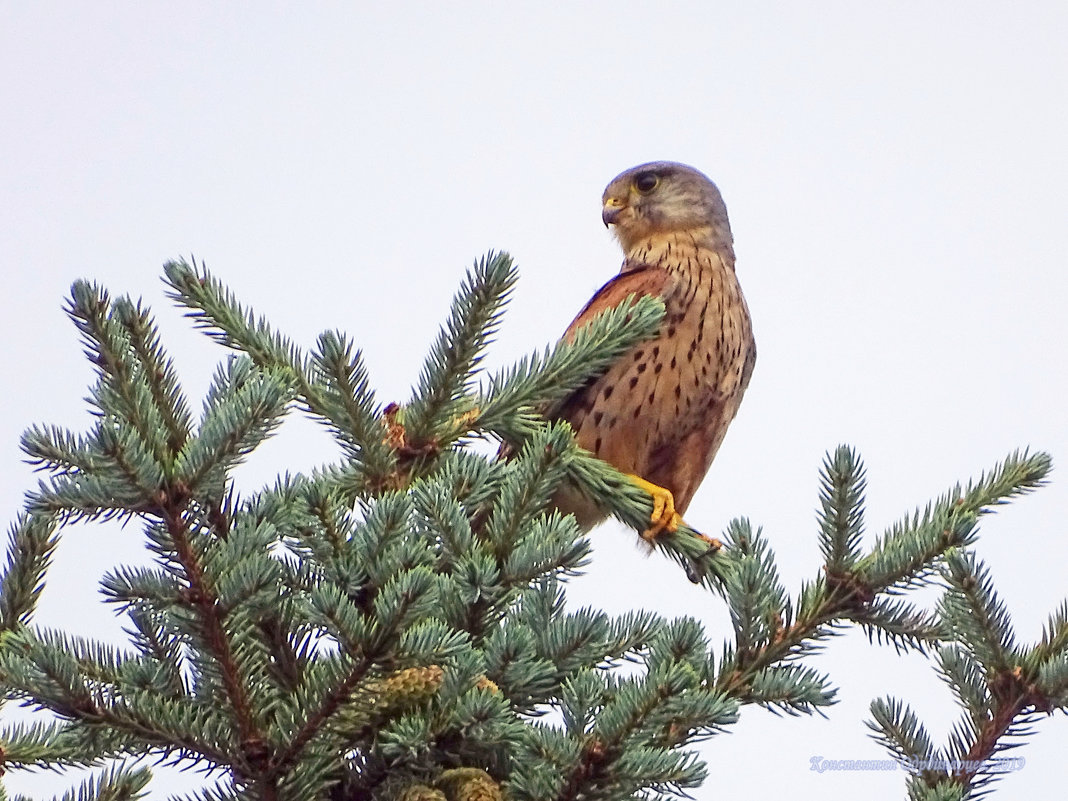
x=646, y=182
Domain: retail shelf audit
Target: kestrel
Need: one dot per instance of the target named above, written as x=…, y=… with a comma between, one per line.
x=660, y=412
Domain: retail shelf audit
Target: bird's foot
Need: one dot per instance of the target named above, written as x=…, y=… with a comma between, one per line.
x=713, y=544
x=664, y=517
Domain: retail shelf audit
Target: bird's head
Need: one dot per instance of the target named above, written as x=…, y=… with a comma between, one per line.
x=664, y=197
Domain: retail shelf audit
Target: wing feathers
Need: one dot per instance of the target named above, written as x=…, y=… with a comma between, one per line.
x=642, y=280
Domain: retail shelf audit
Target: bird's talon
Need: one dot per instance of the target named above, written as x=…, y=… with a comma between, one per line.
x=660, y=504
x=664, y=517
x=662, y=524
x=714, y=545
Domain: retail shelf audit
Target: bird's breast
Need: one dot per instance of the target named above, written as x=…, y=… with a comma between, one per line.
x=692, y=373
x=690, y=376
x=706, y=325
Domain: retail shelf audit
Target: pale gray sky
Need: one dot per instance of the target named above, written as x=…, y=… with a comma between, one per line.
x=897, y=179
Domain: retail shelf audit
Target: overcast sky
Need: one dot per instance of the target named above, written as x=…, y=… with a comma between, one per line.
x=897, y=180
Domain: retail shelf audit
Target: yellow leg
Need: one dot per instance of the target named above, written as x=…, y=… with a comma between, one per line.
x=664, y=517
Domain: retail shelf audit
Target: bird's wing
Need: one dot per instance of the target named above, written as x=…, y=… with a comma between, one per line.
x=643, y=280
x=636, y=281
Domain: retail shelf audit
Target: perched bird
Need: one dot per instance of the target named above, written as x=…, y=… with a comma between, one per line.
x=660, y=412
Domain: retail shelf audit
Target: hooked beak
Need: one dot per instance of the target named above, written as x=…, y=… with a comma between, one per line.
x=611, y=210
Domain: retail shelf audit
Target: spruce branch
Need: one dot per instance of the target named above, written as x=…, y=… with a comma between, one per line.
x=447, y=375
x=967, y=679
x=754, y=592
x=906, y=553
x=438, y=509
x=121, y=467
x=841, y=518
x=124, y=466
x=1052, y=681
x=792, y=689
x=584, y=638
x=132, y=587
x=157, y=372
x=767, y=635
x=897, y=728
x=32, y=540
x=222, y=647
x=551, y=548
x=61, y=744
x=117, y=783
x=529, y=483
x=1054, y=641
x=123, y=390
x=381, y=545
x=346, y=402
x=900, y=624
x=60, y=451
x=634, y=730
x=975, y=615
x=160, y=643
x=322, y=382
x=767, y=630
x=939, y=791
x=245, y=405
x=86, y=497
x=84, y=682
x=319, y=712
x=999, y=683
x=215, y=309
x=699, y=555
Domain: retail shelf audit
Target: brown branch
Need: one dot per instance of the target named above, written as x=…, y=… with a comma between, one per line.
x=590, y=766
x=846, y=595
x=1013, y=694
x=202, y=598
x=315, y=722
x=597, y=754
x=254, y=749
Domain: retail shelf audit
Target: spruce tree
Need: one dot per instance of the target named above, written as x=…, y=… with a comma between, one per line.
x=393, y=624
